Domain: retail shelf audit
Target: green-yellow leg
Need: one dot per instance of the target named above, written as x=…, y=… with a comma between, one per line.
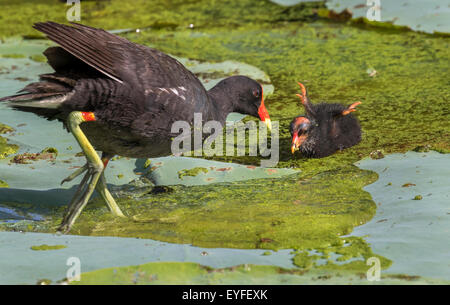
x=94, y=168
x=107, y=197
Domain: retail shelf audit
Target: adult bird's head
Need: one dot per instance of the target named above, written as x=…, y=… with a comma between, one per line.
x=244, y=95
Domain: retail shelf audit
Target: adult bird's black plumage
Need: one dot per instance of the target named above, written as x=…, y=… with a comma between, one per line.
x=325, y=129
x=125, y=98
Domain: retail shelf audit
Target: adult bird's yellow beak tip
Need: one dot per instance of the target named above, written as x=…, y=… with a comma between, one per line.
x=268, y=123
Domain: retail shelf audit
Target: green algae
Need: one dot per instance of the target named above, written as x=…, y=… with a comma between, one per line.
x=353, y=253
x=48, y=153
x=154, y=14
x=3, y=184
x=47, y=247
x=188, y=273
x=5, y=128
x=7, y=149
x=312, y=213
x=305, y=261
x=376, y=155
x=147, y=163
x=50, y=150
x=12, y=56
x=193, y=172
x=365, y=23
x=43, y=282
x=38, y=58
x=422, y=148
x=236, y=215
x=28, y=158
x=354, y=247
x=172, y=273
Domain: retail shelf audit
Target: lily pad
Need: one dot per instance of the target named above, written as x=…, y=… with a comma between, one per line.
x=420, y=15
x=413, y=233
x=194, y=274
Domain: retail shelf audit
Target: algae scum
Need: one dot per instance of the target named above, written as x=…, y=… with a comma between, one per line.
x=399, y=75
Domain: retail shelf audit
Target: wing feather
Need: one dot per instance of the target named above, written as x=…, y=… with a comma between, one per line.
x=89, y=45
x=140, y=67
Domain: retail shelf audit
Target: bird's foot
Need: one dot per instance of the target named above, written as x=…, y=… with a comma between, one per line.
x=350, y=108
x=82, y=195
x=84, y=192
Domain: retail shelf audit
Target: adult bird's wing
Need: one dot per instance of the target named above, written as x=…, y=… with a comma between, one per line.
x=119, y=58
x=95, y=47
x=166, y=83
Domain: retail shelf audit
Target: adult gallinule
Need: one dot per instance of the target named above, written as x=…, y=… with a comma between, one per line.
x=123, y=98
x=324, y=129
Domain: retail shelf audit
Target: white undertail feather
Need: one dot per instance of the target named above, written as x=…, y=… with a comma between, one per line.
x=51, y=102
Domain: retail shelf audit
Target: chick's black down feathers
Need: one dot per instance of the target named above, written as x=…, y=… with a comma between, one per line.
x=325, y=128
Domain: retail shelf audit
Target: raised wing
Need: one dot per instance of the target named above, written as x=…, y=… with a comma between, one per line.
x=118, y=58
x=101, y=50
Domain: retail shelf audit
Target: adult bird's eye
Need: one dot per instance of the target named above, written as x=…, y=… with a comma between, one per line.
x=256, y=93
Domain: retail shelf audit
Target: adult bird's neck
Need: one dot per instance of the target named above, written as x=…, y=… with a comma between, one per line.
x=222, y=103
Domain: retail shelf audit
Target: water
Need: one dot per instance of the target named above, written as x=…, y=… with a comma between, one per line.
x=21, y=265
x=420, y=15
x=414, y=234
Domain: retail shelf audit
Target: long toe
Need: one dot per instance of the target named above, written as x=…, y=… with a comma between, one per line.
x=81, y=198
x=75, y=174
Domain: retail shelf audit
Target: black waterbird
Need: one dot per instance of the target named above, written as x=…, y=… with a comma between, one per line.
x=121, y=98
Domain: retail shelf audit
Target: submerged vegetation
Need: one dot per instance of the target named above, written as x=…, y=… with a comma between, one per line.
x=5, y=148
x=192, y=172
x=195, y=274
x=399, y=75
x=305, y=213
x=47, y=247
